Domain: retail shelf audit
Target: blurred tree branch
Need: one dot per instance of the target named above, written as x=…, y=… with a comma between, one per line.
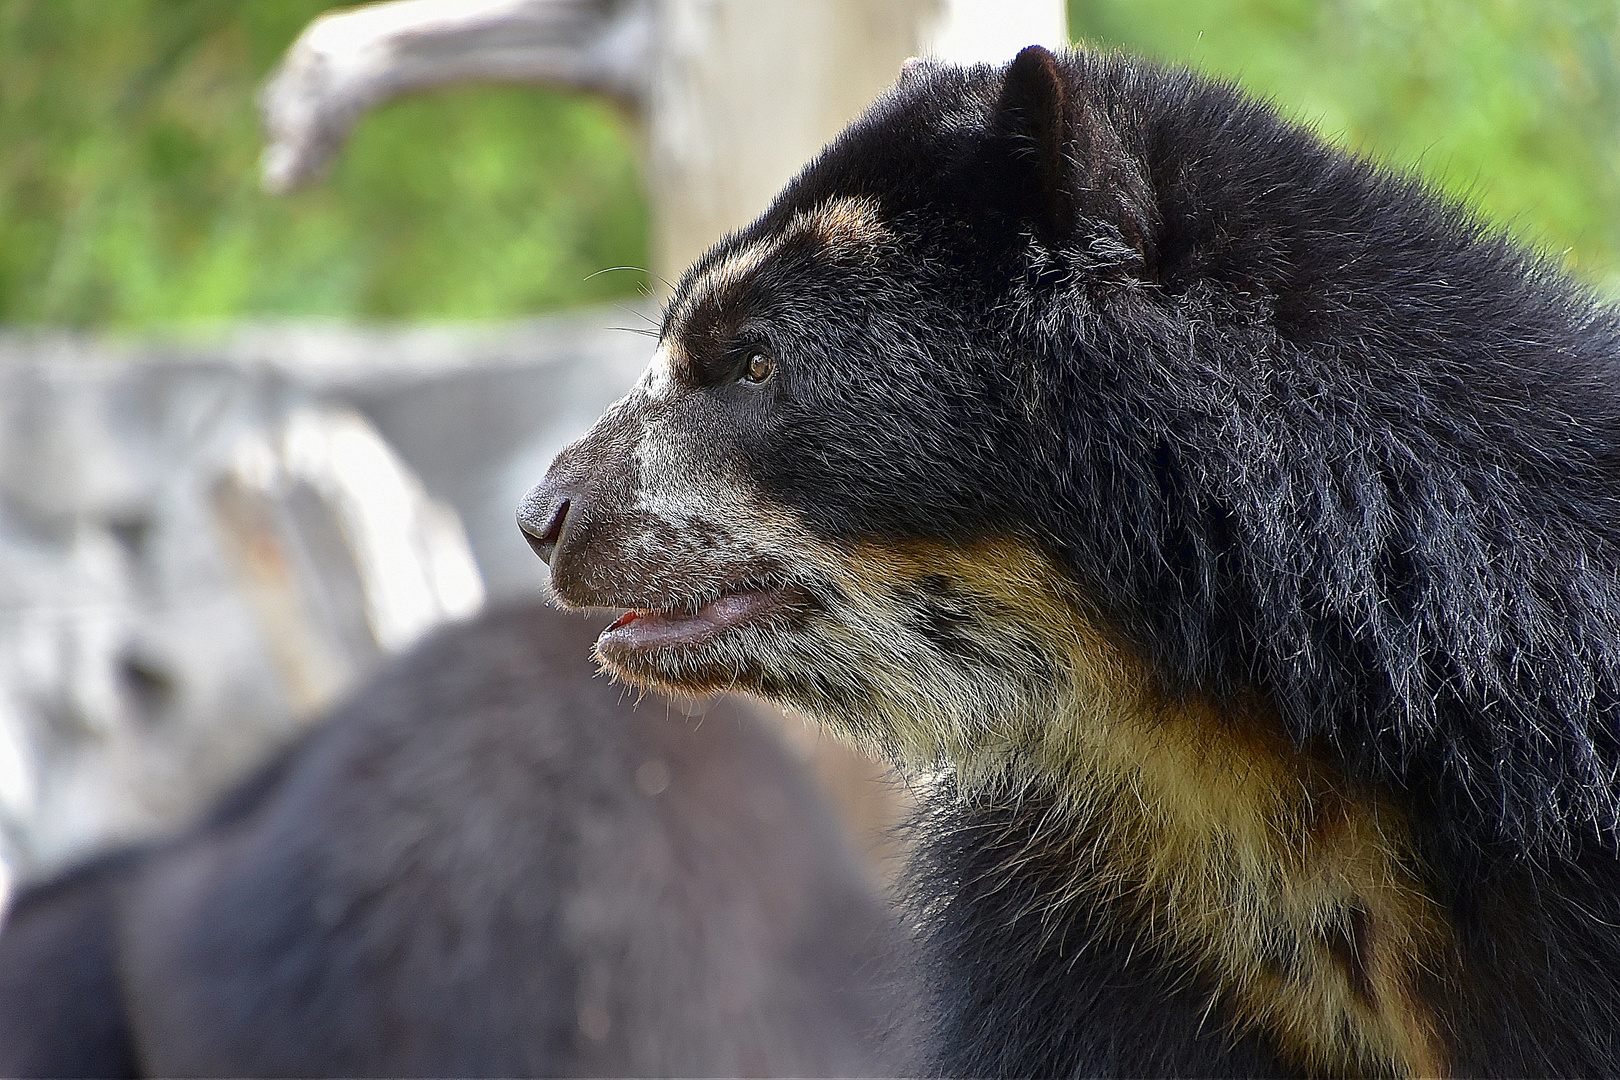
x=350, y=61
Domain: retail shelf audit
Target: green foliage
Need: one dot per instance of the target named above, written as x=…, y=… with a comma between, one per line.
x=129, y=151
x=129, y=195
x=1512, y=105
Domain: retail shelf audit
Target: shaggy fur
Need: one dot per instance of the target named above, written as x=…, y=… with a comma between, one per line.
x=1234, y=527
x=487, y=864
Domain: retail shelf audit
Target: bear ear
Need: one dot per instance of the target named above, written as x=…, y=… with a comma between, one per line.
x=1067, y=169
x=1033, y=114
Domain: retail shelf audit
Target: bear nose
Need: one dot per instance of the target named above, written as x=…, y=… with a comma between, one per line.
x=541, y=517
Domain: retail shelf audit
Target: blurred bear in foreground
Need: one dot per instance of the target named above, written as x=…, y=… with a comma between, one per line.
x=487, y=863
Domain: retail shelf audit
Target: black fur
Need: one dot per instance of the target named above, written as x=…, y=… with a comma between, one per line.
x=1335, y=439
x=1048, y=993
x=1331, y=436
x=1295, y=426
x=470, y=871
x=61, y=1010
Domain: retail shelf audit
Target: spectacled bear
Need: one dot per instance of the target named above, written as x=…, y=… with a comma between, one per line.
x=1229, y=526
x=486, y=864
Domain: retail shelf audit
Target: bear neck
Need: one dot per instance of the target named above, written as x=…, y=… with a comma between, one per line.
x=1199, y=832
x=1180, y=860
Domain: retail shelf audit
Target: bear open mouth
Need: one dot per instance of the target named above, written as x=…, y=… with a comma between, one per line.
x=642, y=630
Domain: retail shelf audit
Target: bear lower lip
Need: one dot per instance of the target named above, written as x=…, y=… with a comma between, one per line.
x=637, y=631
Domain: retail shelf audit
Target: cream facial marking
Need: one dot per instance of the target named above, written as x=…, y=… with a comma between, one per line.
x=658, y=380
x=846, y=226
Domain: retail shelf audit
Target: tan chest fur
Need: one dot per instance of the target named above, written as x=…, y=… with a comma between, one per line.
x=1298, y=894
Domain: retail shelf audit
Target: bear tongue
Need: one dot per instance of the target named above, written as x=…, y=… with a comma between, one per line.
x=642, y=629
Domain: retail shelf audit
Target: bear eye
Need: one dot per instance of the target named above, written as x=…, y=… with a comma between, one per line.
x=760, y=366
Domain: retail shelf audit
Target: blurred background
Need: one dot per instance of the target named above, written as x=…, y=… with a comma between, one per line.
x=129, y=145
x=251, y=442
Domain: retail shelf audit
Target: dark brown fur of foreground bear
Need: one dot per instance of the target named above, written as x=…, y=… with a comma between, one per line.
x=1235, y=525
x=486, y=864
